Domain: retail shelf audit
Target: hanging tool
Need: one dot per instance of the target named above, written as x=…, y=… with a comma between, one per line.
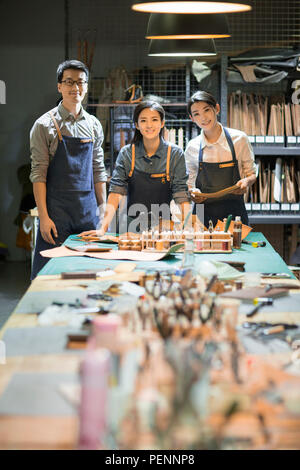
x=85, y=47
x=79, y=45
x=93, y=45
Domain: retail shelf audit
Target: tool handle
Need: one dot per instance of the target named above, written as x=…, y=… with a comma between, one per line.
x=254, y=311
x=228, y=220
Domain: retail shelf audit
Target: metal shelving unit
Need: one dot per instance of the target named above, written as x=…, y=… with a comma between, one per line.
x=178, y=83
x=273, y=219
x=281, y=151
x=169, y=83
x=262, y=216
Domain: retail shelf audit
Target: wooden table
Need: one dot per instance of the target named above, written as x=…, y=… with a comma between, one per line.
x=29, y=430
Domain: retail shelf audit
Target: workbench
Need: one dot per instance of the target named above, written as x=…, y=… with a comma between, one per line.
x=36, y=409
x=259, y=259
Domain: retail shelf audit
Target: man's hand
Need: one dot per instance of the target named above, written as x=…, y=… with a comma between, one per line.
x=47, y=227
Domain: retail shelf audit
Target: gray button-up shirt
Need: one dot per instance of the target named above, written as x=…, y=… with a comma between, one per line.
x=155, y=164
x=44, y=141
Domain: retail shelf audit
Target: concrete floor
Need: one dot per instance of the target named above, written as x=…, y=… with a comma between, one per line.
x=14, y=281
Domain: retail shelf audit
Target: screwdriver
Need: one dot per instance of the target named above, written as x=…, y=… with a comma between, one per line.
x=259, y=302
x=254, y=244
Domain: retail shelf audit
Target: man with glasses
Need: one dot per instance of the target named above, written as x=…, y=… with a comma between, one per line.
x=67, y=165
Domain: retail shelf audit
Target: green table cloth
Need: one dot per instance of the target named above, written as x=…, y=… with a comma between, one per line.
x=261, y=259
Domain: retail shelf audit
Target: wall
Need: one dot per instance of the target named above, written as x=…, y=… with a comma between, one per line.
x=32, y=45
x=30, y=49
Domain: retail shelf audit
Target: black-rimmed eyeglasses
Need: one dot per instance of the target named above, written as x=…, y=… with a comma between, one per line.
x=70, y=82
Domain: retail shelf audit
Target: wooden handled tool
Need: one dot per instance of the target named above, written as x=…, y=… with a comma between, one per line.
x=90, y=60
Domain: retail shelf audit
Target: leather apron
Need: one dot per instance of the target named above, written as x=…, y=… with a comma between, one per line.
x=148, y=189
x=214, y=177
x=71, y=201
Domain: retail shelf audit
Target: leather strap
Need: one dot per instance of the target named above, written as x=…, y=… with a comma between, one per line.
x=91, y=128
x=168, y=163
x=59, y=133
x=132, y=160
x=56, y=126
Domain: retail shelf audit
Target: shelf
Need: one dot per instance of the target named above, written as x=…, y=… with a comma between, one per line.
x=117, y=105
x=274, y=150
x=274, y=218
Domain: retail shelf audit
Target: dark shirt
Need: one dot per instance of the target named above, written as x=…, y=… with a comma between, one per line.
x=154, y=164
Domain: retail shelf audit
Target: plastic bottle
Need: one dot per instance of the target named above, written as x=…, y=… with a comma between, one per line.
x=105, y=332
x=237, y=232
x=188, y=259
x=94, y=395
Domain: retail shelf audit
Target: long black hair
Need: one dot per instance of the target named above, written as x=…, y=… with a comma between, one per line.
x=201, y=96
x=140, y=107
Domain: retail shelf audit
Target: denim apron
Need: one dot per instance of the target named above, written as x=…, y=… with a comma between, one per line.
x=148, y=189
x=71, y=201
x=214, y=177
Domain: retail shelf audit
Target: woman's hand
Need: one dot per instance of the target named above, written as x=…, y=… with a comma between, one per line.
x=243, y=186
x=196, y=196
x=92, y=233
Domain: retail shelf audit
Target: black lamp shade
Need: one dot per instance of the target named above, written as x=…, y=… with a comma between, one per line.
x=182, y=47
x=173, y=26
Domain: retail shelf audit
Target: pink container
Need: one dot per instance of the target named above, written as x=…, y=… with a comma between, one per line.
x=105, y=329
x=94, y=395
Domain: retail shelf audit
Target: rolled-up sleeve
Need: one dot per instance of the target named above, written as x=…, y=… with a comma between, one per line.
x=39, y=153
x=99, y=171
x=191, y=159
x=119, y=179
x=247, y=165
x=179, y=180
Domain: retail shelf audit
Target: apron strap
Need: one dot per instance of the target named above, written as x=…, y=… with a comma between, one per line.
x=132, y=160
x=58, y=130
x=56, y=126
x=91, y=128
x=230, y=143
x=168, y=163
x=200, y=156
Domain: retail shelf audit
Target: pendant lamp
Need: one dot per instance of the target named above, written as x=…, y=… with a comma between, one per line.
x=223, y=6
x=172, y=26
x=182, y=48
